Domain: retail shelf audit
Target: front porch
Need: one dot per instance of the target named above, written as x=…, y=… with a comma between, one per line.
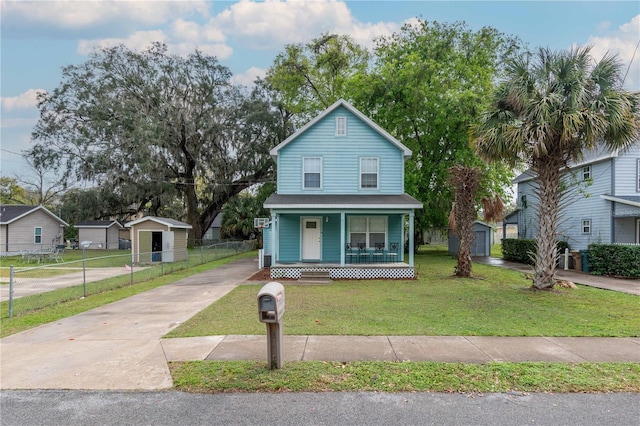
x=360, y=271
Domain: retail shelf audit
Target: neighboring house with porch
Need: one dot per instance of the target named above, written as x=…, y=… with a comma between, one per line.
x=103, y=234
x=340, y=204
x=25, y=228
x=602, y=204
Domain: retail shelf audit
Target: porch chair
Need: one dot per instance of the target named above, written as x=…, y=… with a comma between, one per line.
x=378, y=254
x=350, y=253
x=392, y=254
x=364, y=254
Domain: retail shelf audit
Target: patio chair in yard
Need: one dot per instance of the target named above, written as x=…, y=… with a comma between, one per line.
x=56, y=255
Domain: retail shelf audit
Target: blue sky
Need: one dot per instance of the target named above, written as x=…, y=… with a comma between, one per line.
x=38, y=38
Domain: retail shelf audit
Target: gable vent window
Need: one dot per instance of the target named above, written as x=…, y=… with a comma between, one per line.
x=341, y=126
x=312, y=172
x=586, y=173
x=369, y=173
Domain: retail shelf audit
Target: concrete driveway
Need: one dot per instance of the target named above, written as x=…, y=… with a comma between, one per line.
x=116, y=346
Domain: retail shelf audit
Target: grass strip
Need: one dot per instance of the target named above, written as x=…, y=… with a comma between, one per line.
x=77, y=305
x=378, y=376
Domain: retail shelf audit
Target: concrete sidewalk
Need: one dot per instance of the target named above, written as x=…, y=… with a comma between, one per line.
x=467, y=349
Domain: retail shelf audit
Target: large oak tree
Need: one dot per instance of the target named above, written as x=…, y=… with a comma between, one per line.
x=152, y=127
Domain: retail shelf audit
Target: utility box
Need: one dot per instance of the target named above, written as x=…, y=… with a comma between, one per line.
x=270, y=311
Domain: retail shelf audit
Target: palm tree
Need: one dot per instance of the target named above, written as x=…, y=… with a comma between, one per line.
x=545, y=113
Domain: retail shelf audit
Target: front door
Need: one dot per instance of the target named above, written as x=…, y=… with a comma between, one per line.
x=311, y=238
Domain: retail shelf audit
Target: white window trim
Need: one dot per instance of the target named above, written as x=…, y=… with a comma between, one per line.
x=638, y=176
x=586, y=172
x=304, y=187
x=36, y=235
x=377, y=173
x=588, y=223
x=367, y=231
x=341, y=126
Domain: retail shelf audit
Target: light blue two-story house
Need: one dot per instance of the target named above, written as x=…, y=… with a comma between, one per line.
x=340, y=204
x=601, y=204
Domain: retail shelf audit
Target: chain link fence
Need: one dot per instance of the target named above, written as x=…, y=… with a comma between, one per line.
x=31, y=288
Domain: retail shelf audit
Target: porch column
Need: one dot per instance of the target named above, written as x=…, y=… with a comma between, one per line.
x=274, y=237
x=411, y=242
x=342, y=239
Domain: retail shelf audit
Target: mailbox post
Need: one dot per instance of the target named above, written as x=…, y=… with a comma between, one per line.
x=270, y=312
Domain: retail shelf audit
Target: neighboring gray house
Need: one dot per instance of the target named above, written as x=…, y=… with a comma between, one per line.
x=29, y=228
x=103, y=234
x=601, y=206
x=213, y=233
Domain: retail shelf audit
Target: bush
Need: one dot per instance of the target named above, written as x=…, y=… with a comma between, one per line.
x=523, y=251
x=608, y=259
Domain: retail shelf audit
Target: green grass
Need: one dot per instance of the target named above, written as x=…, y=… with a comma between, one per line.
x=497, y=302
x=75, y=305
x=317, y=376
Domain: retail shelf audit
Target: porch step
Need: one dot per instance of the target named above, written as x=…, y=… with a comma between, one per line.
x=315, y=277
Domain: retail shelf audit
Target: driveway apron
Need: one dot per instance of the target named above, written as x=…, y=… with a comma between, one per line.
x=116, y=346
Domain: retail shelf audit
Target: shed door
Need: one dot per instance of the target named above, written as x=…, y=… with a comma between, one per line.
x=311, y=238
x=479, y=244
x=144, y=246
x=167, y=246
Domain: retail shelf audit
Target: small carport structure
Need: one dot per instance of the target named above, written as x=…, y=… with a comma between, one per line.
x=481, y=244
x=158, y=239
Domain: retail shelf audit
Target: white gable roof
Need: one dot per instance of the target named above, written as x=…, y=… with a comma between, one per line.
x=171, y=223
x=342, y=103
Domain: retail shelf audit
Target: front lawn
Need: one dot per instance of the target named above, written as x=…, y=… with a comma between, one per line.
x=497, y=302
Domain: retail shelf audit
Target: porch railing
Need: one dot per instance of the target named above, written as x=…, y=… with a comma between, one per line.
x=360, y=254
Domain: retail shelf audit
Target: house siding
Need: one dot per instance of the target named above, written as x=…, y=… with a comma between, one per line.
x=626, y=171
x=583, y=202
x=289, y=226
x=625, y=230
x=340, y=158
x=21, y=232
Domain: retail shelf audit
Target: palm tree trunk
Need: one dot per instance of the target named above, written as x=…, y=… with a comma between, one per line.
x=549, y=194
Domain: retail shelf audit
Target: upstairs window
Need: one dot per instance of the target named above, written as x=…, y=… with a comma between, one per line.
x=586, y=173
x=586, y=226
x=369, y=173
x=37, y=235
x=341, y=126
x=312, y=172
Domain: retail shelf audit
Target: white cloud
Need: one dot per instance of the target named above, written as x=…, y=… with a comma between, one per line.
x=623, y=42
x=139, y=40
x=76, y=15
x=249, y=76
x=271, y=24
x=24, y=100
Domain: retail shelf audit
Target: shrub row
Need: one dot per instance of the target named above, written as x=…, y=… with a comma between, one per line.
x=607, y=259
x=523, y=251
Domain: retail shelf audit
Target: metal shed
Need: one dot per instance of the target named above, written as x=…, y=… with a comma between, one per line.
x=481, y=244
x=158, y=239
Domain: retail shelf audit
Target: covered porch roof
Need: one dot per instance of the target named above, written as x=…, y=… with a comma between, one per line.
x=340, y=201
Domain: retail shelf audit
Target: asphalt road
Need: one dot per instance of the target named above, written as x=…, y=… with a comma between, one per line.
x=58, y=407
